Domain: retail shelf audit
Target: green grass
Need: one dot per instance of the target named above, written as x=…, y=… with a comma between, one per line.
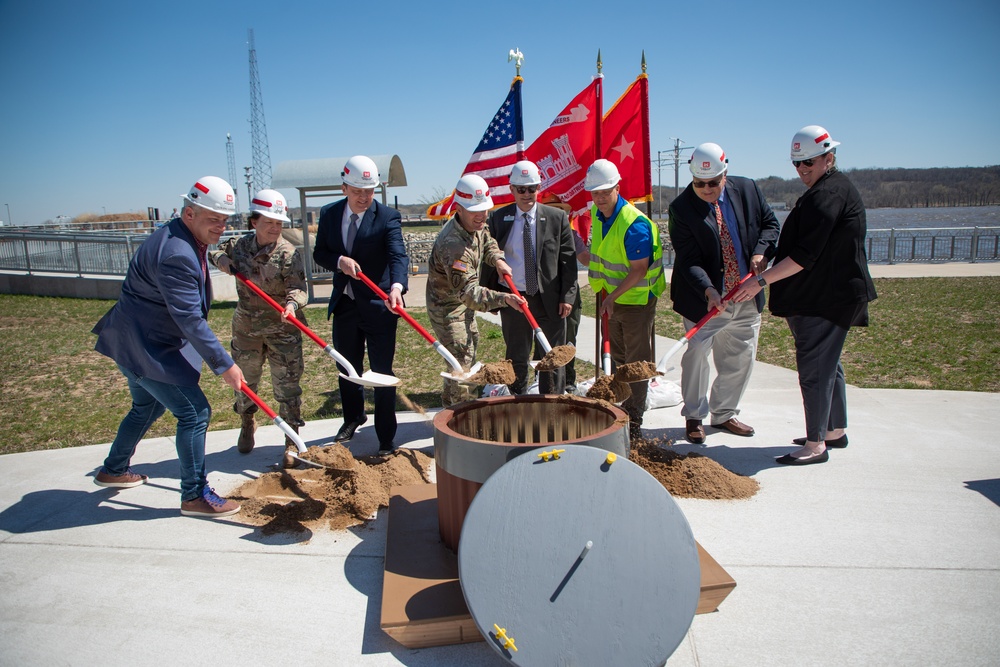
x=58, y=392
x=926, y=333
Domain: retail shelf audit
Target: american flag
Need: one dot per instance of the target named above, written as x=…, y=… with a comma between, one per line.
x=501, y=146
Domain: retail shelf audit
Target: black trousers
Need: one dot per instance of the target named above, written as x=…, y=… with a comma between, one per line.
x=520, y=339
x=351, y=334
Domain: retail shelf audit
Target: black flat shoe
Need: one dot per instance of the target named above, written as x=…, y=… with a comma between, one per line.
x=839, y=443
x=790, y=460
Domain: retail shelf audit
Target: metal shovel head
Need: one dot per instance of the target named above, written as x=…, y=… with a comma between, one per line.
x=463, y=378
x=372, y=379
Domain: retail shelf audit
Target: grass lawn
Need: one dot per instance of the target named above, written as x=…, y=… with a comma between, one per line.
x=926, y=333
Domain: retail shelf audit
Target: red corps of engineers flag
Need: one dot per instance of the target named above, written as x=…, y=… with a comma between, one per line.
x=501, y=146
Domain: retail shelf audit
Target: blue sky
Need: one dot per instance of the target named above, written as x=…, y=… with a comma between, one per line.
x=116, y=106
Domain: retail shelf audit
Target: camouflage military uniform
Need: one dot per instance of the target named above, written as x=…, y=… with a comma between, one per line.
x=258, y=331
x=454, y=295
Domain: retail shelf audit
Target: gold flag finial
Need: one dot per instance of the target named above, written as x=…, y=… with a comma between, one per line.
x=644, y=61
x=599, y=62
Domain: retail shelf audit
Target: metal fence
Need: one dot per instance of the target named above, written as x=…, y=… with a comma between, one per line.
x=104, y=253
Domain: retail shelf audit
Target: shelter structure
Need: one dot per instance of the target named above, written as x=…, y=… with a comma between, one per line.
x=320, y=179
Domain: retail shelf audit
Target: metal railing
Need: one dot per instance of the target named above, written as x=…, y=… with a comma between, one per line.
x=109, y=253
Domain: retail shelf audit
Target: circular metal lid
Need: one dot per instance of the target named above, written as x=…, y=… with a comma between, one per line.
x=578, y=556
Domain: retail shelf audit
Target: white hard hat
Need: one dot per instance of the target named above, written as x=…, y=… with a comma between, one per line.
x=270, y=204
x=360, y=172
x=525, y=172
x=601, y=175
x=812, y=141
x=708, y=160
x=473, y=194
x=213, y=193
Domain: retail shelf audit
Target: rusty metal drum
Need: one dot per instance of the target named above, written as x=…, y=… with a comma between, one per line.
x=472, y=440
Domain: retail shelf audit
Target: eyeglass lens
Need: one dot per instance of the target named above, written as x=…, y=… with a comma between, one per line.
x=523, y=190
x=706, y=184
x=810, y=162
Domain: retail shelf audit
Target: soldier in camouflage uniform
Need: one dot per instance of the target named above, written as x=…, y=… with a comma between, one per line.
x=259, y=331
x=454, y=294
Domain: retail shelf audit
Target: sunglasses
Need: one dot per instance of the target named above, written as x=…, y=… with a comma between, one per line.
x=525, y=189
x=706, y=184
x=808, y=163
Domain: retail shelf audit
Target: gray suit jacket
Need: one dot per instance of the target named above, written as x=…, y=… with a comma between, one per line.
x=554, y=250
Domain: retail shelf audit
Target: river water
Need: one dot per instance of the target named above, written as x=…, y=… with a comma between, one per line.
x=915, y=218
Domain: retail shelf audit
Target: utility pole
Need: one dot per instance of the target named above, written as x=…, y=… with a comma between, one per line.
x=230, y=158
x=249, y=180
x=258, y=128
x=677, y=161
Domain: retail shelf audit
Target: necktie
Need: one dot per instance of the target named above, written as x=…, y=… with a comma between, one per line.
x=530, y=270
x=732, y=266
x=352, y=232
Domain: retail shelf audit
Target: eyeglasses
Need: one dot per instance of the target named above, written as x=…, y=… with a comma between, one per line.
x=525, y=189
x=706, y=184
x=807, y=163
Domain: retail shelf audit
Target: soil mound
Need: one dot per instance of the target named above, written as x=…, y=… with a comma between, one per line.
x=691, y=475
x=499, y=372
x=558, y=357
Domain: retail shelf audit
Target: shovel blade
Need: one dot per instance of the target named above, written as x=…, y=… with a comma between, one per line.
x=372, y=379
x=463, y=378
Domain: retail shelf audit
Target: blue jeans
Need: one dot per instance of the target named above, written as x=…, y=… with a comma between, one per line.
x=149, y=400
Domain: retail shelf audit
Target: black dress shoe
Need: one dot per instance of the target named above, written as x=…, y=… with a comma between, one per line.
x=346, y=431
x=386, y=448
x=839, y=443
x=790, y=460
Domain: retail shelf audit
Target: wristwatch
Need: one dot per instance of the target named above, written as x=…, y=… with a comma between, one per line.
x=761, y=281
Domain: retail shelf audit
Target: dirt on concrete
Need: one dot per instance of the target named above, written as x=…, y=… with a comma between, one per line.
x=691, y=475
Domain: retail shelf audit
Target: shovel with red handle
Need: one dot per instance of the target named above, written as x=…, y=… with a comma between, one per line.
x=282, y=424
x=662, y=365
x=542, y=340
x=460, y=374
x=368, y=378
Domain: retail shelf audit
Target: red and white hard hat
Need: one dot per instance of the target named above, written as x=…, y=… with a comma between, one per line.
x=473, y=194
x=360, y=172
x=525, y=172
x=812, y=141
x=213, y=193
x=708, y=160
x=270, y=204
x=602, y=175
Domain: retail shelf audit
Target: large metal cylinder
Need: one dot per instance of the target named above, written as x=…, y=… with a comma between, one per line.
x=472, y=440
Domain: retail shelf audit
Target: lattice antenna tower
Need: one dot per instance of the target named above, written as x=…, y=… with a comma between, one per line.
x=231, y=159
x=258, y=128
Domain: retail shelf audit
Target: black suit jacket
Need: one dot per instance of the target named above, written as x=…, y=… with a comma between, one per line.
x=555, y=255
x=694, y=234
x=378, y=248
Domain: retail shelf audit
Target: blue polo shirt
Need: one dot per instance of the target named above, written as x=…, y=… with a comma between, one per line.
x=638, y=238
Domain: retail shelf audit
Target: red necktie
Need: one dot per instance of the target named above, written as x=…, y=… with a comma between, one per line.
x=732, y=266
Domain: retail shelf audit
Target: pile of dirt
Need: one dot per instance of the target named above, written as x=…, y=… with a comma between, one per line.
x=309, y=498
x=558, y=357
x=636, y=371
x=607, y=388
x=691, y=475
x=500, y=372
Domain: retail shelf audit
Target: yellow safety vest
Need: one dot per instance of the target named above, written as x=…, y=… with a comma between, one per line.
x=609, y=265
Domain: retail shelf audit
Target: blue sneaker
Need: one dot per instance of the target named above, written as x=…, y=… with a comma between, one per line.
x=209, y=505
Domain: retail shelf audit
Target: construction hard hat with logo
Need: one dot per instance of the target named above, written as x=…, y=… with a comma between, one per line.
x=708, y=160
x=360, y=172
x=601, y=175
x=473, y=194
x=812, y=141
x=525, y=172
x=213, y=193
x=270, y=204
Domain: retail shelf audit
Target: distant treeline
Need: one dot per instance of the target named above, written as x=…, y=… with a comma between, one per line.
x=905, y=188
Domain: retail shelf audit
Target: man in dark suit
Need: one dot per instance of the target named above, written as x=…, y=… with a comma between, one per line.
x=359, y=234
x=721, y=228
x=158, y=334
x=538, y=246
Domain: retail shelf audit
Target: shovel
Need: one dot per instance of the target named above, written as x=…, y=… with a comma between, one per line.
x=539, y=335
x=367, y=379
x=605, y=346
x=282, y=424
x=459, y=375
x=662, y=365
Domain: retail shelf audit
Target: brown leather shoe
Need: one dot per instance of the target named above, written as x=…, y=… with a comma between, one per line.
x=736, y=427
x=694, y=432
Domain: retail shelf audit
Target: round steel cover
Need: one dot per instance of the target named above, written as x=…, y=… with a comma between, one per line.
x=578, y=560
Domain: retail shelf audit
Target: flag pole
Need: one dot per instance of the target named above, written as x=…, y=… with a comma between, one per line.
x=647, y=170
x=599, y=120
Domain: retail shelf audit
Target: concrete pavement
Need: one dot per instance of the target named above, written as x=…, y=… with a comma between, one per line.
x=885, y=555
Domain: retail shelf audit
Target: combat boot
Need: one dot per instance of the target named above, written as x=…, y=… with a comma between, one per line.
x=245, y=444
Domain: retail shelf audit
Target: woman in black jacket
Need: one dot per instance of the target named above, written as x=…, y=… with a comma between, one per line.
x=821, y=285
